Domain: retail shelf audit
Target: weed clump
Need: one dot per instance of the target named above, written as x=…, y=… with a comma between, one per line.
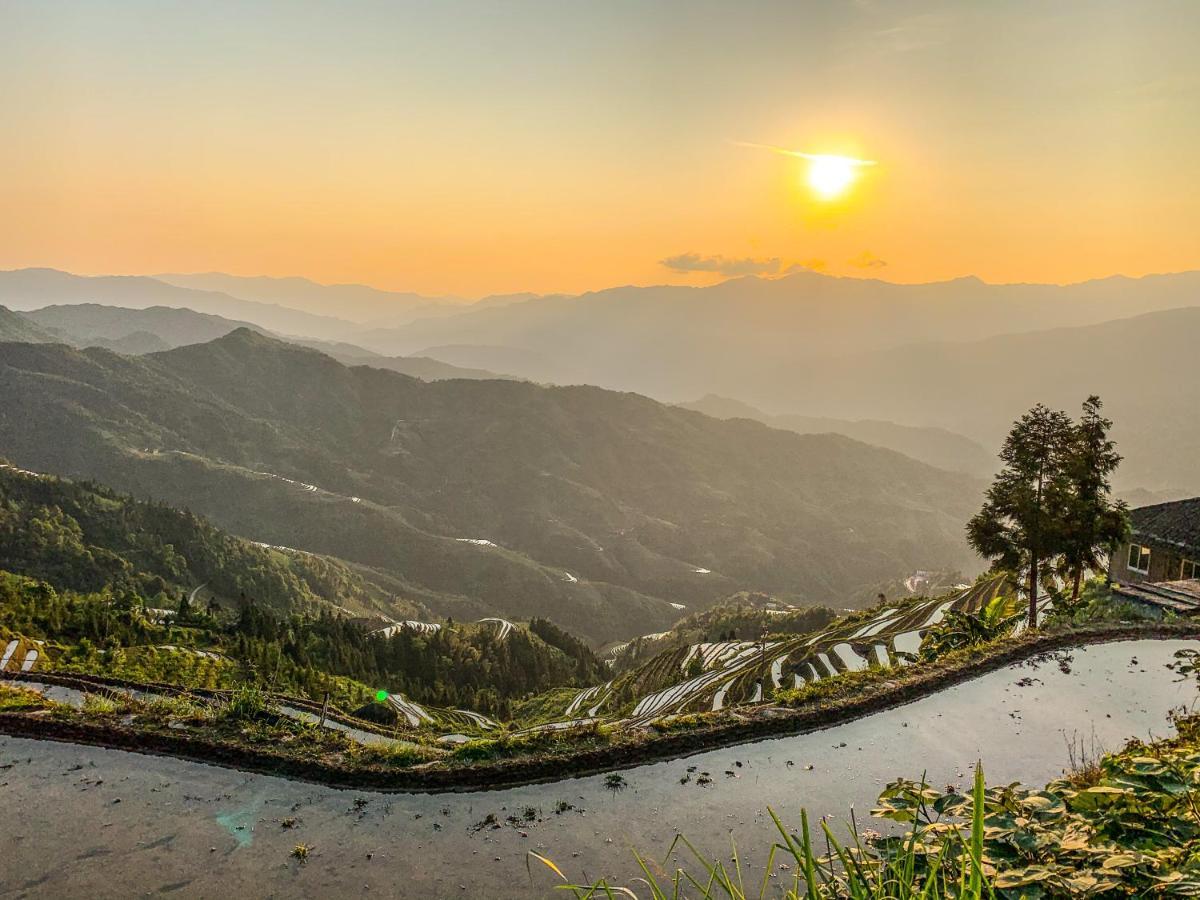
x=247, y=703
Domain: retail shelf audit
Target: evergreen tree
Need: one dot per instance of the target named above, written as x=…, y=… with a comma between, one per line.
x=1095, y=523
x=1022, y=523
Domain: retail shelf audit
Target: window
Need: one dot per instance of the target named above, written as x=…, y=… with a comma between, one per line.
x=1139, y=559
x=1190, y=569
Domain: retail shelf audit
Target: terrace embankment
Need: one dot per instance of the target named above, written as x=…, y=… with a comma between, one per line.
x=566, y=756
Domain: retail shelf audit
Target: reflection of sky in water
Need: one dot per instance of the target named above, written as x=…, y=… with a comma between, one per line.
x=240, y=822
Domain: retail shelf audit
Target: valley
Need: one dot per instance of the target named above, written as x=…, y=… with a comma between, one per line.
x=548, y=475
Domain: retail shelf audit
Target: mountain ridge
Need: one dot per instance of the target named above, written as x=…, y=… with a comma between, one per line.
x=609, y=505
x=939, y=447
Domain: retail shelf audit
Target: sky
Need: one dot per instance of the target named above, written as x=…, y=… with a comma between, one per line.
x=486, y=147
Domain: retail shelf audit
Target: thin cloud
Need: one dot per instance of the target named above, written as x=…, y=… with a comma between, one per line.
x=694, y=262
x=867, y=260
x=800, y=154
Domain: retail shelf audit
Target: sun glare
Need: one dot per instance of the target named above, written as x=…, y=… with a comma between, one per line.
x=831, y=176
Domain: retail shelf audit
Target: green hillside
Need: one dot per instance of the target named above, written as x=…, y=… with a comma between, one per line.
x=84, y=537
x=935, y=446
x=16, y=327
x=141, y=330
x=588, y=506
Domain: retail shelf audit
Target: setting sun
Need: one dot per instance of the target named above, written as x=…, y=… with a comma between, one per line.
x=831, y=176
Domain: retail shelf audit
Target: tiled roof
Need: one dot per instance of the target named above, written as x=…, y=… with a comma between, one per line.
x=1182, y=597
x=1177, y=524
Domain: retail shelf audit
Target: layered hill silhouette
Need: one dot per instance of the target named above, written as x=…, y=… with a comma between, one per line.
x=962, y=355
x=95, y=324
x=1142, y=367
x=936, y=446
x=16, y=327
x=608, y=512
x=949, y=356
x=154, y=328
x=29, y=289
x=357, y=302
x=681, y=342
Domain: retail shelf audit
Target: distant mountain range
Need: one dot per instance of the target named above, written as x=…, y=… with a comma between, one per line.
x=356, y=302
x=1143, y=367
x=16, y=327
x=682, y=342
x=166, y=327
x=961, y=356
x=29, y=289
x=608, y=512
x=935, y=446
x=155, y=328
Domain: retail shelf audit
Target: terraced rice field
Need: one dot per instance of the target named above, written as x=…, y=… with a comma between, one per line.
x=503, y=626
x=186, y=829
x=20, y=655
x=736, y=672
x=417, y=715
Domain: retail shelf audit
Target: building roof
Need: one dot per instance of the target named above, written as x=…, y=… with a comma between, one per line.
x=1182, y=597
x=1176, y=524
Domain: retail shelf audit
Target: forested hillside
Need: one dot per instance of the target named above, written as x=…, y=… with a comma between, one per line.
x=935, y=446
x=87, y=538
x=107, y=632
x=477, y=497
x=16, y=327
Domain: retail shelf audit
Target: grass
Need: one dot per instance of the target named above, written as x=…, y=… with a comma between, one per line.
x=543, y=743
x=16, y=699
x=247, y=702
x=173, y=709
x=103, y=705
x=400, y=755
x=853, y=868
x=1084, y=760
x=1124, y=824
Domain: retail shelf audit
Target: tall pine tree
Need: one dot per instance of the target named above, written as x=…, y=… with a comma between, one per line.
x=1095, y=523
x=1022, y=523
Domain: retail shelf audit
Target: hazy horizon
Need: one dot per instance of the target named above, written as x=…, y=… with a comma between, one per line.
x=467, y=149
x=466, y=300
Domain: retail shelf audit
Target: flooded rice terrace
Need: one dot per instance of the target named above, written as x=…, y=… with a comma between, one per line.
x=81, y=821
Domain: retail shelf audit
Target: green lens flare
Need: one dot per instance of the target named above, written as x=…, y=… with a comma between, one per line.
x=381, y=696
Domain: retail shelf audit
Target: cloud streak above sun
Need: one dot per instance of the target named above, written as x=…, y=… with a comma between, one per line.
x=811, y=157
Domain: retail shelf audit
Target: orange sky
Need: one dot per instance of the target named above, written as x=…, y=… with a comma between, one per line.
x=480, y=148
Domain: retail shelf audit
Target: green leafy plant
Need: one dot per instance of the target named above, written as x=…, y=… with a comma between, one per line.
x=246, y=703
x=1131, y=828
x=965, y=629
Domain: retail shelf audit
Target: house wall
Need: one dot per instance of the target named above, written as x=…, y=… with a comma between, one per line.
x=1164, y=564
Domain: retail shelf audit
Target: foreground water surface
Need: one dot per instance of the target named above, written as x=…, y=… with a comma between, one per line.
x=87, y=822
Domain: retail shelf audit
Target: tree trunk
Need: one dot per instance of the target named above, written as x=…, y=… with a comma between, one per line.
x=1078, y=583
x=1033, y=588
